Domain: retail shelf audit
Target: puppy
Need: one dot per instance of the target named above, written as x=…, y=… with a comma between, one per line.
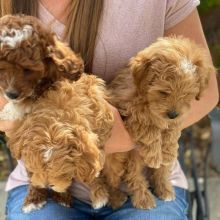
x=62, y=139
x=31, y=59
x=154, y=94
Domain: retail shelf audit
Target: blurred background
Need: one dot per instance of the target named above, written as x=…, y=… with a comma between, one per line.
x=200, y=156
x=200, y=144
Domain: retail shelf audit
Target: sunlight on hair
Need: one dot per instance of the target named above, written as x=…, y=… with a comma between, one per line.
x=187, y=66
x=48, y=151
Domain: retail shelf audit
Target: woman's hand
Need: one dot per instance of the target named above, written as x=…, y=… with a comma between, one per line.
x=120, y=140
x=5, y=125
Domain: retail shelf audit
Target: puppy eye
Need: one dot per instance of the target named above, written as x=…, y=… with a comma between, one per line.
x=164, y=94
x=27, y=72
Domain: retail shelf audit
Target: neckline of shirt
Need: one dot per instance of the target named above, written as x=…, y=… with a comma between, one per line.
x=49, y=19
x=50, y=14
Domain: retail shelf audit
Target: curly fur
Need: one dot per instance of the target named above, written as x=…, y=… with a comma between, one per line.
x=31, y=59
x=153, y=94
x=62, y=138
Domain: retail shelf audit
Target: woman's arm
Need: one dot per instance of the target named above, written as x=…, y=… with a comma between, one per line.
x=120, y=140
x=191, y=28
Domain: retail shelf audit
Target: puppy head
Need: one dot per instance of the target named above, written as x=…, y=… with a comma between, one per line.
x=22, y=45
x=42, y=180
x=30, y=53
x=170, y=74
x=74, y=156
x=16, y=82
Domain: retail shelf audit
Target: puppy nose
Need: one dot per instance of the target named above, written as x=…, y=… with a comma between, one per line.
x=12, y=94
x=172, y=114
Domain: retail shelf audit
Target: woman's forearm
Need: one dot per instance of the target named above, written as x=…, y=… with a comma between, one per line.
x=201, y=108
x=120, y=139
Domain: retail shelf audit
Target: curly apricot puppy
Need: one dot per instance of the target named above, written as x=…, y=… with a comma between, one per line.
x=154, y=94
x=62, y=139
x=31, y=59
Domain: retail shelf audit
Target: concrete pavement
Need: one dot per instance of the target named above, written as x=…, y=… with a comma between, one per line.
x=2, y=200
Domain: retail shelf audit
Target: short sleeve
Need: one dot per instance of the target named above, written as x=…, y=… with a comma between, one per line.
x=177, y=10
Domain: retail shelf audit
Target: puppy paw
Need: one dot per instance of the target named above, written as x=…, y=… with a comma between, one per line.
x=30, y=207
x=117, y=199
x=64, y=199
x=99, y=198
x=35, y=199
x=165, y=192
x=143, y=201
x=65, y=204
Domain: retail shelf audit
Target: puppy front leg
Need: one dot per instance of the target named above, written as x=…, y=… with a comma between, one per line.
x=35, y=200
x=64, y=199
x=151, y=154
x=149, y=146
x=159, y=180
x=99, y=193
x=137, y=185
x=170, y=146
x=114, y=169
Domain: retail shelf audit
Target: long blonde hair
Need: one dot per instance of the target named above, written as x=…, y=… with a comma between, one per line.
x=81, y=27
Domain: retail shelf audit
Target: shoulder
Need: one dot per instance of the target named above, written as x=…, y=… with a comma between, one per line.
x=177, y=10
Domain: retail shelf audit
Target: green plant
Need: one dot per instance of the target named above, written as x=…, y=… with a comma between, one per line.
x=217, y=52
x=206, y=5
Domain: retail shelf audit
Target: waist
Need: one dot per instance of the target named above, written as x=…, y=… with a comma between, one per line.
x=19, y=177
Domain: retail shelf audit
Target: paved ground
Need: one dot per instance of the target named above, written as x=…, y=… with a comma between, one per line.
x=2, y=200
x=214, y=198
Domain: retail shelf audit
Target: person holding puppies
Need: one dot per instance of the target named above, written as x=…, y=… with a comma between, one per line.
x=107, y=34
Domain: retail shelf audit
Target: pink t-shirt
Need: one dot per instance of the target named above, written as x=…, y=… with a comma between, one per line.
x=126, y=27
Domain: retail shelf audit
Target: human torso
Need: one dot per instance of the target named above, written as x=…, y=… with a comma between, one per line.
x=126, y=27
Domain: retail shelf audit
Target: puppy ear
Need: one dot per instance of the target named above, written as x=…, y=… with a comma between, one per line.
x=91, y=161
x=203, y=75
x=15, y=150
x=85, y=159
x=69, y=64
x=19, y=138
x=141, y=69
x=15, y=143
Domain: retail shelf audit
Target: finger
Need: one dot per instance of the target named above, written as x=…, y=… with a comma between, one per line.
x=3, y=101
x=6, y=125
